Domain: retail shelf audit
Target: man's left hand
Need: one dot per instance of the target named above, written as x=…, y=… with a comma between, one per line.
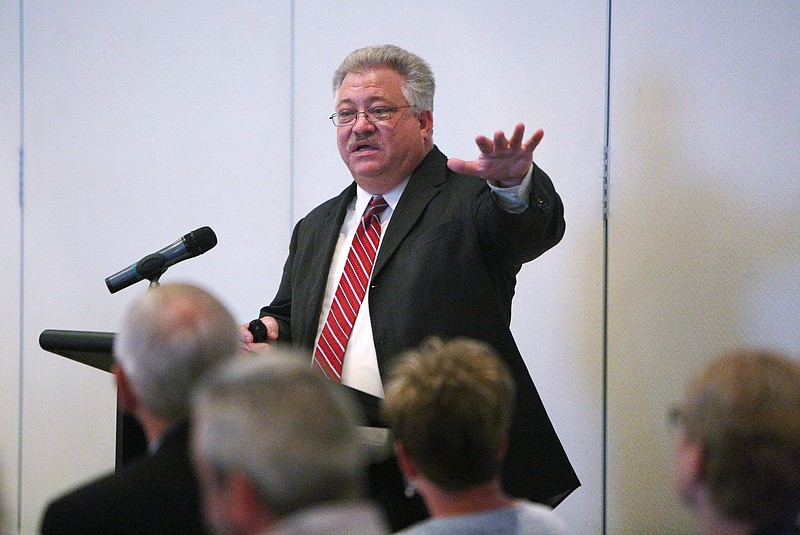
x=505, y=161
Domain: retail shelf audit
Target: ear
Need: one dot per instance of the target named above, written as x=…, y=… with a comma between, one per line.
x=689, y=468
x=247, y=513
x=502, y=451
x=126, y=397
x=426, y=122
x=406, y=464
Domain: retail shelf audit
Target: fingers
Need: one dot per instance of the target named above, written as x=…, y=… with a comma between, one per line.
x=516, y=137
x=514, y=143
x=500, y=141
x=256, y=348
x=485, y=144
x=272, y=327
x=244, y=334
x=457, y=165
x=273, y=330
x=500, y=157
x=248, y=339
x=534, y=141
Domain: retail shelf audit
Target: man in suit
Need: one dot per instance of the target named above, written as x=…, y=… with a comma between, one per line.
x=452, y=239
x=169, y=338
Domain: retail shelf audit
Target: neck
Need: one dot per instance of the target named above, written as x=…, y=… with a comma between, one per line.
x=712, y=522
x=264, y=523
x=153, y=426
x=380, y=185
x=485, y=497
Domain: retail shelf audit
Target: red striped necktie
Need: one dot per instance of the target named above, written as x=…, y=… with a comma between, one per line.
x=329, y=353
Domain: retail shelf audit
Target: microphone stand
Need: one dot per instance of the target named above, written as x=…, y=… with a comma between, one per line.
x=154, y=281
x=152, y=267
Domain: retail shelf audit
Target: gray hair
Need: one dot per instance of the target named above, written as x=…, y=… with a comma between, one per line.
x=419, y=85
x=169, y=338
x=284, y=425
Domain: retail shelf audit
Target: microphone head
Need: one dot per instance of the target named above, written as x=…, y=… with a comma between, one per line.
x=201, y=240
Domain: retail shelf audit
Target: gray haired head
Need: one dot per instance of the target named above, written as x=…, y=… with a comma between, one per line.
x=168, y=339
x=419, y=85
x=288, y=428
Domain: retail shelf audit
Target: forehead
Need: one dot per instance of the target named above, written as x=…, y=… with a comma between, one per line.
x=374, y=84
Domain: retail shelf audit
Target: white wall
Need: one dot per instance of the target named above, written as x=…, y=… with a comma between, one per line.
x=146, y=120
x=9, y=262
x=704, y=240
x=143, y=121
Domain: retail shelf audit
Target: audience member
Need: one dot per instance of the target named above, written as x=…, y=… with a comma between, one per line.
x=276, y=450
x=737, y=449
x=450, y=407
x=169, y=338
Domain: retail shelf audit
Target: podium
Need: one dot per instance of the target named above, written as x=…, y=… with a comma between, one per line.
x=96, y=349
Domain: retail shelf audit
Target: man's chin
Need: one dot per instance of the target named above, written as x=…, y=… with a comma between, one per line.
x=366, y=170
x=224, y=528
x=365, y=159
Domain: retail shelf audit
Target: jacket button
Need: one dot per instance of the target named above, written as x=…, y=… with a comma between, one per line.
x=543, y=205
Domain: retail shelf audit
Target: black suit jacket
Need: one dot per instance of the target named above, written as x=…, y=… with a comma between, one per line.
x=447, y=266
x=155, y=494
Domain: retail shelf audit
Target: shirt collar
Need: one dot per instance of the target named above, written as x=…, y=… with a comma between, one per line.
x=391, y=197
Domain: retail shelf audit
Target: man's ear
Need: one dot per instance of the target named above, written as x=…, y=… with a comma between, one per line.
x=502, y=451
x=426, y=122
x=127, y=399
x=689, y=469
x=246, y=510
x=406, y=464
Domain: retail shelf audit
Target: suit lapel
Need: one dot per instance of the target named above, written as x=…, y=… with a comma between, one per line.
x=323, y=244
x=421, y=188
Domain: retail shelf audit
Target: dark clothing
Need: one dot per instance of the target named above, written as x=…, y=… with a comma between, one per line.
x=447, y=267
x=780, y=527
x=155, y=494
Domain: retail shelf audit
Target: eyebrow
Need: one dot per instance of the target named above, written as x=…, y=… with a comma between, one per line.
x=370, y=102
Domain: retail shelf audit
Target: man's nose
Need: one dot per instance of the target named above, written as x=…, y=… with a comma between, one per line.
x=362, y=123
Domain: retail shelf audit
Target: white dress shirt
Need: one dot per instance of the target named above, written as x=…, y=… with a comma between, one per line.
x=360, y=368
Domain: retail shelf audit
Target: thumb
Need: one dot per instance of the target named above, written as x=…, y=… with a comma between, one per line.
x=458, y=165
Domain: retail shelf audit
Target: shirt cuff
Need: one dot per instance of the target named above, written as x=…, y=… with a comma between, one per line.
x=514, y=199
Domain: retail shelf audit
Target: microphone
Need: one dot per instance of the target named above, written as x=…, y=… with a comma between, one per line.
x=154, y=265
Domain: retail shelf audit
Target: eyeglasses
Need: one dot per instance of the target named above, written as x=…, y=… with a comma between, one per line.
x=373, y=115
x=675, y=415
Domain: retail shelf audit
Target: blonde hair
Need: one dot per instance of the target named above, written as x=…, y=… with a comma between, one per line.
x=744, y=411
x=450, y=405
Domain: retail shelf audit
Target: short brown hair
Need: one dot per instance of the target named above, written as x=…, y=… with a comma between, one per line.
x=744, y=411
x=450, y=405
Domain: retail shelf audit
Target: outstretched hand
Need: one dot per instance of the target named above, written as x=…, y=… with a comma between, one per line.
x=503, y=160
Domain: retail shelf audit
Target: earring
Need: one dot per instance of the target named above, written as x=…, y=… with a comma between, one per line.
x=410, y=489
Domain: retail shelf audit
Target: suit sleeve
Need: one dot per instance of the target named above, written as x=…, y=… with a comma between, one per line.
x=517, y=238
x=281, y=306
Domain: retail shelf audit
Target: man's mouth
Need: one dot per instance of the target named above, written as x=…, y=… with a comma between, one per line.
x=361, y=145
